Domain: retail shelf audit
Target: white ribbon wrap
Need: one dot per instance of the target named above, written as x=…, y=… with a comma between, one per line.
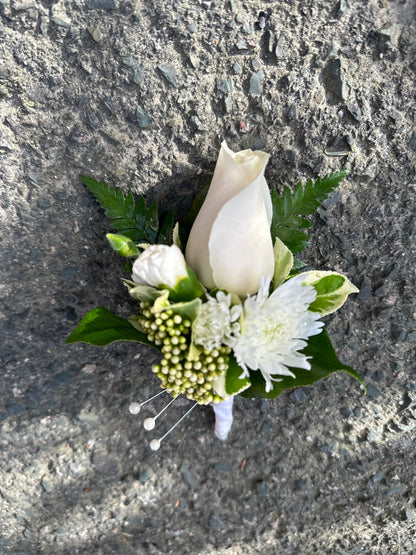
x=223, y=418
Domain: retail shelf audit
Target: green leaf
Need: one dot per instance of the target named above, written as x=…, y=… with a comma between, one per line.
x=188, y=310
x=289, y=209
x=233, y=383
x=294, y=239
x=283, y=262
x=187, y=288
x=143, y=292
x=196, y=205
x=122, y=224
x=297, y=266
x=332, y=290
x=129, y=217
x=128, y=266
x=101, y=327
x=324, y=362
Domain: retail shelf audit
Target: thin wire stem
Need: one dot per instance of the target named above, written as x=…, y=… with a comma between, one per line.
x=154, y=397
x=164, y=408
x=178, y=422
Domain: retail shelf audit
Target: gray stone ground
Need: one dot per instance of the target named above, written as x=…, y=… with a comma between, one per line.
x=141, y=94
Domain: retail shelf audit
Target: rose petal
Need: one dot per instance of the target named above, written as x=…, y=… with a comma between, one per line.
x=240, y=244
x=267, y=201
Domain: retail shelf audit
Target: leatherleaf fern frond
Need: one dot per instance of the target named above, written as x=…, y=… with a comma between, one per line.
x=129, y=216
x=290, y=208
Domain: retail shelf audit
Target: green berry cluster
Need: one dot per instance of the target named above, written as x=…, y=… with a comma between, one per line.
x=178, y=374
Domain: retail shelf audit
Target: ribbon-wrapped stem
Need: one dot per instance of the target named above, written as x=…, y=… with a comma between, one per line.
x=223, y=418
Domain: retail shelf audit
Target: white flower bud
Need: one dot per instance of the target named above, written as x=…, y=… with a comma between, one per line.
x=160, y=265
x=230, y=245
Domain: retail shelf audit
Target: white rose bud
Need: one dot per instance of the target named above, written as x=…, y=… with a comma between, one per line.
x=230, y=246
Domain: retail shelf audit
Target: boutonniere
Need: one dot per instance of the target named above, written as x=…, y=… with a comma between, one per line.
x=229, y=307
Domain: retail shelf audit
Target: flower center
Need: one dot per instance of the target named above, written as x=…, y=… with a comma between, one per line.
x=273, y=332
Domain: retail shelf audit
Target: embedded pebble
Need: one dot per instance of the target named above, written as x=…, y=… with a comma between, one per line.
x=255, y=82
x=187, y=475
x=43, y=203
x=216, y=522
x=100, y=4
x=46, y=485
x=345, y=412
x=300, y=394
x=242, y=45
x=373, y=392
x=256, y=64
x=60, y=22
x=137, y=74
x=225, y=85
x=262, y=489
x=145, y=474
x=333, y=79
x=223, y=467
x=143, y=119
x=169, y=74
x=366, y=290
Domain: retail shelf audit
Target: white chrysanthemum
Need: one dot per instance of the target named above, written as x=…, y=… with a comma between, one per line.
x=216, y=323
x=274, y=328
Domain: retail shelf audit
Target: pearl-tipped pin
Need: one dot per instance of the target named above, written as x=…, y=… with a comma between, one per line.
x=135, y=408
x=150, y=423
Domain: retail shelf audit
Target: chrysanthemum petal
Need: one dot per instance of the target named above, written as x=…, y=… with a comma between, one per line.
x=274, y=330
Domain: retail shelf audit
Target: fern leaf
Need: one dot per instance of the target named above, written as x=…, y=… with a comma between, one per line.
x=288, y=210
x=129, y=217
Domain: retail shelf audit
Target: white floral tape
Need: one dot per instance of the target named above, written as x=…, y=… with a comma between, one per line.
x=223, y=418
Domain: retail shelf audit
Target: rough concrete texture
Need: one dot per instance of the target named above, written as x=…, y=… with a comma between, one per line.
x=141, y=94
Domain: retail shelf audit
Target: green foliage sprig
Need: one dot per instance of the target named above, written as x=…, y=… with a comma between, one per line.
x=131, y=217
x=288, y=222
